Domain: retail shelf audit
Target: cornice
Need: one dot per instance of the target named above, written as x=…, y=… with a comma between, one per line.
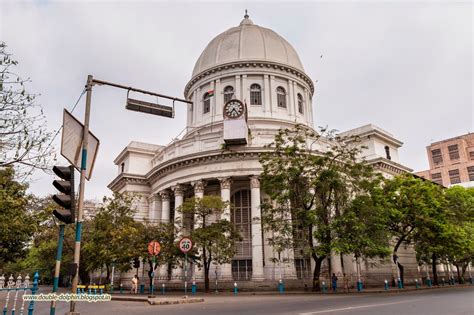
x=388, y=165
x=249, y=64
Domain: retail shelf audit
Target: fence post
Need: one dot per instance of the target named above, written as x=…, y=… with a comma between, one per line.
x=33, y=292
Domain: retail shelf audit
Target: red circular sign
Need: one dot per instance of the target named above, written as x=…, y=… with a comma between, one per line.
x=154, y=248
x=185, y=244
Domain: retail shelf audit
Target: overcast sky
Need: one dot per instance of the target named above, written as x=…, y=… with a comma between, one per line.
x=403, y=66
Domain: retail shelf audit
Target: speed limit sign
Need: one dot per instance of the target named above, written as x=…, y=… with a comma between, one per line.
x=185, y=244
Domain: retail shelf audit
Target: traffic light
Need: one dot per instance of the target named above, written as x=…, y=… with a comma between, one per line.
x=136, y=262
x=67, y=199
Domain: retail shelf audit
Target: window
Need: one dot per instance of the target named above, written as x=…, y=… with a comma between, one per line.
x=242, y=269
x=300, y=103
x=241, y=218
x=255, y=94
x=436, y=156
x=471, y=155
x=303, y=268
x=206, y=103
x=470, y=173
x=387, y=152
x=437, y=178
x=453, y=152
x=281, y=97
x=454, y=177
x=122, y=167
x=228, y=93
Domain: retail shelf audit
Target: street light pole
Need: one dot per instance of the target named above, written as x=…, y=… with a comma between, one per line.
x=85, y=141
x=80, y=206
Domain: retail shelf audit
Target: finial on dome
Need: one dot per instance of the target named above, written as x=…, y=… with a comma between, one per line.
x=246, y=20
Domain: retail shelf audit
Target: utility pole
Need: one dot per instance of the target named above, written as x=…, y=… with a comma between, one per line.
x=80, y=206
x=142, y=107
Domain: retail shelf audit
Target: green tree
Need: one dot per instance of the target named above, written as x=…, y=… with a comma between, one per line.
x=17, y=221
x=112, y=238
x=414, y=208
x=164, y=234
x=214, y=238
x=23, y=133
x=312, y=180
x=448, y=235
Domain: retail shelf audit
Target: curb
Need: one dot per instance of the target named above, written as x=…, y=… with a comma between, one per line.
x=156, y=301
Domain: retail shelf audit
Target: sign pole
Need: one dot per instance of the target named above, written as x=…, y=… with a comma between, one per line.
x=82, y=184
x=59, y=253
x=186, y=274
x=153, y=275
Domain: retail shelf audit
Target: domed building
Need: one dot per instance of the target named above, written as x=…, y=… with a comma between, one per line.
x=247, y=84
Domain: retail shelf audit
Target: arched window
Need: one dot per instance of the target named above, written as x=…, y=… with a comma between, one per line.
x=228, y=93
x=300, y=103
x=241, y=218
x=387, y=152
x=206, y=99
x=255, y=94
x=281, y=97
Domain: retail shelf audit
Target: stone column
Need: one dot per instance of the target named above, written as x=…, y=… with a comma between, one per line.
x=226, y=182
x=238, y=88
x=154, y=214
x=245, y=90
x=266, y=94
x=165, y=206
x=291, y=103
x=198, y=193
x=218, y=95
x=178, y=190
x=257, y=242
x=165, y=218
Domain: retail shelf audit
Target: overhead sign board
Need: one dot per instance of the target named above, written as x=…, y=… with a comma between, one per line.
x=149, y=108
x=71, y=143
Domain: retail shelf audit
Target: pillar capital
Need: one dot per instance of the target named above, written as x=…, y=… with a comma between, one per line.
x=199, y=186
x=165, y=195
x=178, y=190
x=225, y=182
x=254, y=181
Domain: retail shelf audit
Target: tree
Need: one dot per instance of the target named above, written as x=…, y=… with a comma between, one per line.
x=23, y=133
x=164, y=234
x=214, y=238
x=113, y=237
x=413, y=206
x=17, y=221
x=312, y=180
x=448, y=235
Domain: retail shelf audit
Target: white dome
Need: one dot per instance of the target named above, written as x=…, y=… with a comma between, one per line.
x=247, y=42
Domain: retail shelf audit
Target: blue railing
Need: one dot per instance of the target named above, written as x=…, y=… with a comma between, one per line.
x=19, y=288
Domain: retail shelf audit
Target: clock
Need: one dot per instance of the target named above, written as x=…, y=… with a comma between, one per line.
x=233, y=109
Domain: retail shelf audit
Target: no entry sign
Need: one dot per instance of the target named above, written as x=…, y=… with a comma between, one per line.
x=185, y=244
x=154, y=248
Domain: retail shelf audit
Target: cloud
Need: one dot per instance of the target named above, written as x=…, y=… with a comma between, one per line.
x=406, y=67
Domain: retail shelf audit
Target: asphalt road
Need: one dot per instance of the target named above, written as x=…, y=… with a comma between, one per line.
x=450, y=301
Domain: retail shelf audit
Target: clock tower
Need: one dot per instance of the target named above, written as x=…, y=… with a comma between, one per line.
x=235, y=123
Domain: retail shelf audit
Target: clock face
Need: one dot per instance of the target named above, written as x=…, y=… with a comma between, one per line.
x=233, y=109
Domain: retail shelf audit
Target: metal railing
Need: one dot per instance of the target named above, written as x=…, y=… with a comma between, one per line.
x=19, y=287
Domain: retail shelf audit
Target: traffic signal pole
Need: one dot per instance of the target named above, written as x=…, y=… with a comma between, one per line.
x=80, y=205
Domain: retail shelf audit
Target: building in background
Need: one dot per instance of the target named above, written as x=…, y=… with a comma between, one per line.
x=451, y=161
x=247, y=84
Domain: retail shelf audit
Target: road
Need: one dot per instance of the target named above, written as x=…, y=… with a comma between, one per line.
x=451, y=301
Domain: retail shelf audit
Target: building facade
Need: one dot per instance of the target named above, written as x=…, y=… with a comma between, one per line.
x=451, y=161
x=252, y=69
